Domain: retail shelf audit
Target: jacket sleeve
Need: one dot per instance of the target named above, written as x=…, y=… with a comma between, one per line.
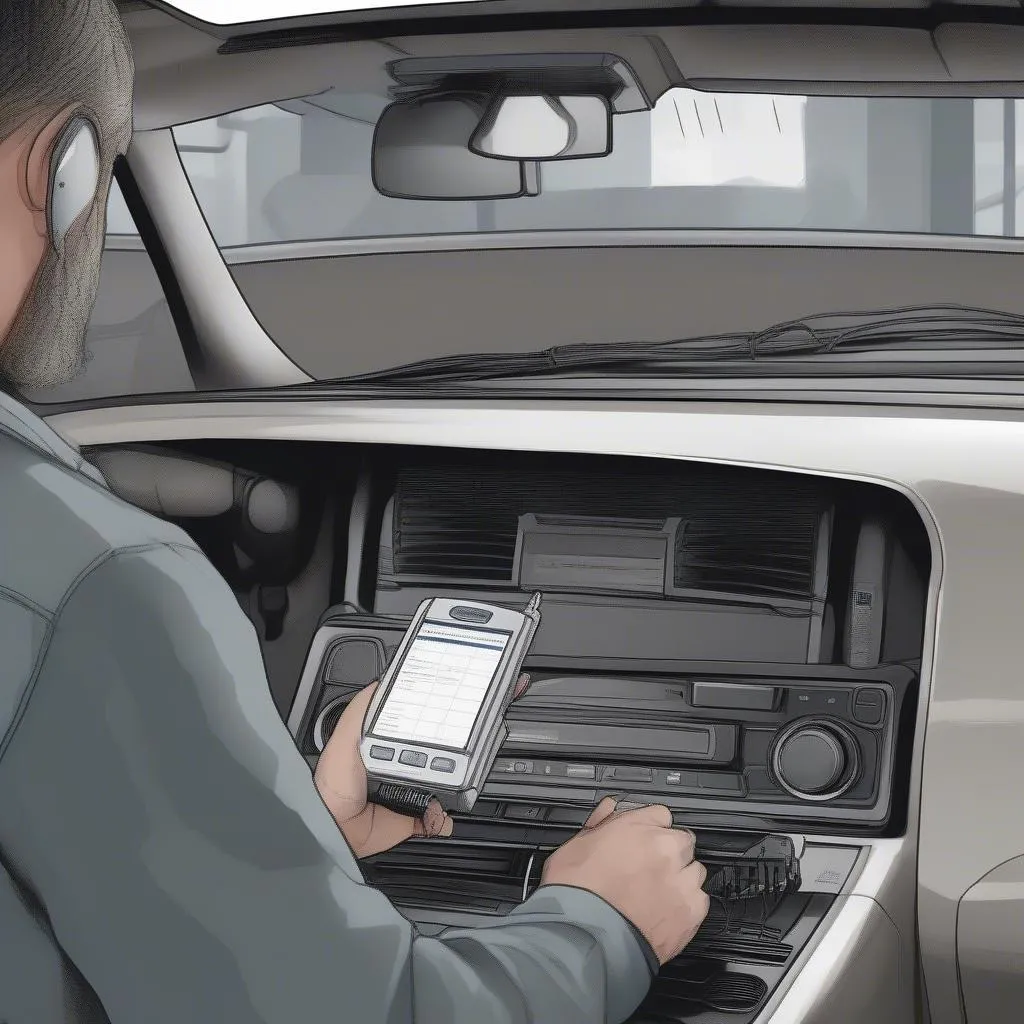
x=152, y=799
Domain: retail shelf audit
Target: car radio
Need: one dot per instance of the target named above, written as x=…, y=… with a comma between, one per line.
x=780, y=743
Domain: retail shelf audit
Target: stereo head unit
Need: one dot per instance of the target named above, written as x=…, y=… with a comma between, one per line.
x=814, y=744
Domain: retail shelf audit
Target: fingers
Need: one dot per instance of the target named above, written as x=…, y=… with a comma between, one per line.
x=602, y=812
x=651, y=814
x=699, y=871
x=435, y=821
x=694, y=877
x=340, y=773
x=521, y=686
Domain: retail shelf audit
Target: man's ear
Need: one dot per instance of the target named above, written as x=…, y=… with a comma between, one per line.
x=36, y=183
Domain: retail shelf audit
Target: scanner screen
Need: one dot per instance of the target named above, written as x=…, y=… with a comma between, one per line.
x=441, y=685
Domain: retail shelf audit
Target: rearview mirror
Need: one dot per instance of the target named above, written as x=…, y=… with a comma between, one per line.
x=538, y=127
x=421, y=151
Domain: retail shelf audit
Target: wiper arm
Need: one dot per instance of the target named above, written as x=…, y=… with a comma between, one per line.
x=944, y=327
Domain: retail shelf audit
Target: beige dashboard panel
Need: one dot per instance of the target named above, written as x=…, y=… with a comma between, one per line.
x=990, y=945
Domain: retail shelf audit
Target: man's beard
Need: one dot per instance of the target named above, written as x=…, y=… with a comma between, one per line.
x=46, y=343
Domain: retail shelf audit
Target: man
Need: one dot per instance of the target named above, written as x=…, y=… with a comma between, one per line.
x=164, y=854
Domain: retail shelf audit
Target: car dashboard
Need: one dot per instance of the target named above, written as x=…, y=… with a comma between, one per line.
x=740, y=645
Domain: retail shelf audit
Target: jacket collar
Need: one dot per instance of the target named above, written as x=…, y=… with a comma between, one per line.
x=17, y=421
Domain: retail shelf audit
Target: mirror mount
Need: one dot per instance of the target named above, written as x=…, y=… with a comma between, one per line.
x=534, y=126
x=551, y=74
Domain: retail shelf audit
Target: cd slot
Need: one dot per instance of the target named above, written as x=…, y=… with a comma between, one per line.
x=705, y=744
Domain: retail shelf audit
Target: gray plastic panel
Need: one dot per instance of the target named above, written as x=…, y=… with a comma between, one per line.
x=609, y=628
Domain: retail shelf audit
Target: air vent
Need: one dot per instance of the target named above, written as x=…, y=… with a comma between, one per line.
x=482, y=879
x=685, y=987
x=747, y=532
x=766, y=551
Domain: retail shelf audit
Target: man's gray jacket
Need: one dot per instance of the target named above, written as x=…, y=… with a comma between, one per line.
x=164, y=855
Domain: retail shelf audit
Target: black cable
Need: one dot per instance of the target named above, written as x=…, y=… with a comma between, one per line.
x=939, y=325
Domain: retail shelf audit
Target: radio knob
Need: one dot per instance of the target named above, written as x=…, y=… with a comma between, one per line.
x=815, y=760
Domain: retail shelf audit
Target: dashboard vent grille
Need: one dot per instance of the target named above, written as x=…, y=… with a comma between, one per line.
x=766, y=549
x=483, y=879
x=747, y=532
x=686, y=987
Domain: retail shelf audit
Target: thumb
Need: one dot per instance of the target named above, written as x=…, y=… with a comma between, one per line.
x=434, y=823
x=601, y=813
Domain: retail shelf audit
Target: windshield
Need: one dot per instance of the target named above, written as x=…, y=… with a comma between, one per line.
x=300, y=171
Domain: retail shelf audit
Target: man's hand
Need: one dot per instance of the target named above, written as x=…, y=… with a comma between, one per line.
x=341, y=779
x=636, y=861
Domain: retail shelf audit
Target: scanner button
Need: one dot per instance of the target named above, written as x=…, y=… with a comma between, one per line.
x=382, y=753
x=413, y=758
x=467, y=613
x=581, y=771
x=442, y=764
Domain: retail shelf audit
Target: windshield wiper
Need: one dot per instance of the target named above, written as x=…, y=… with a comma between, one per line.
x=947, y=328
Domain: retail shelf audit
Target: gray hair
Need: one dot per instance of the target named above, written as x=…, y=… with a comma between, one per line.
x=57, y=52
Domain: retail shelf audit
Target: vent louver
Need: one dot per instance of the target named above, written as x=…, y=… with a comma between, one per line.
x=483, y=879
x=766, y=551
x=744, y=532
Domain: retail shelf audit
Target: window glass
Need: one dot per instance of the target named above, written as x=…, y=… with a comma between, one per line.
x=300, y=170
x=119, y=220
x=132, y=345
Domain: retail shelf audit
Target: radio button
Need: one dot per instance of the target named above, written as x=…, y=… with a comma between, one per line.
x=721, y=783
x=630, y=774
x=869, y=707
x=816, y=760
x=567, y=815
x=756, y=745
x=733, y=696
x=413, y=758
x=442, y=764
x=759, y=781
x=382, y=753
x=523, y=767
x=581, y=771
x=525, y=812
x=685, y=780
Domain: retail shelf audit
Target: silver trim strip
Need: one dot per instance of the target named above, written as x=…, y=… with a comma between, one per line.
x=319, y=740
x=616, y=238
x=526, y=879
